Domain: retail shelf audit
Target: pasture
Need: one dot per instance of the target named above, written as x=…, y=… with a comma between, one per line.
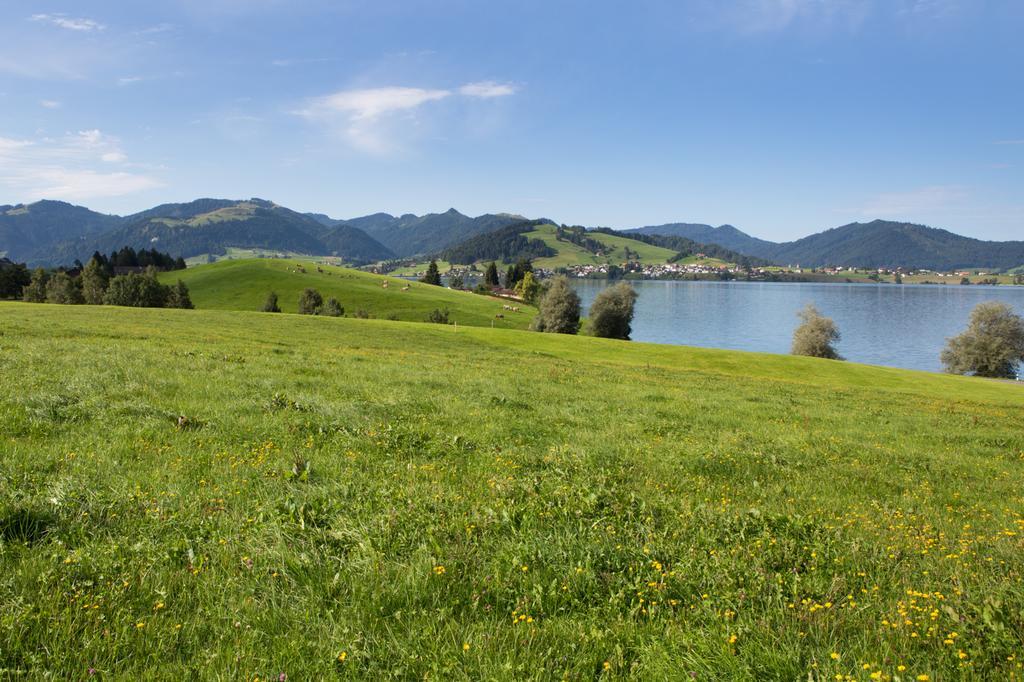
x=236, y=495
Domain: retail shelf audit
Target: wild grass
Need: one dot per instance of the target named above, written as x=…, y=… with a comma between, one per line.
x=208, y=494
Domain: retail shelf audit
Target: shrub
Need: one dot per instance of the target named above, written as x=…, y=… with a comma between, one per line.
x=177, y=297
x=363, y=314
x=456, y=282
x=438, y=316
x=816, y=335
x=35, y=290
x=310, y=302
x=63, y=289
x=559, y=309
x=991, y=346
x=332, y=308
x=270, y=305
x=611, y=314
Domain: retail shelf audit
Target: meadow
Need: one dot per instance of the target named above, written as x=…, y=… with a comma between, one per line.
x=571, y=254
x=244, y=285
x=237, y=495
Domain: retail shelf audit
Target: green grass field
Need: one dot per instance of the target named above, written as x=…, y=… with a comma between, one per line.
x=234, y=495
x=571, y=254
x=244, y=285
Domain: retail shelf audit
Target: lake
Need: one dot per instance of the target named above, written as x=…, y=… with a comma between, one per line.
x=881, y=324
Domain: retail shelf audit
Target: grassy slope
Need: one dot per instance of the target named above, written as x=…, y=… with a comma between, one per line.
x=489, y=504
x=244, y=284
x=571, y=254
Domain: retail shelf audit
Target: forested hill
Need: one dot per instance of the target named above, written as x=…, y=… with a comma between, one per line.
x=880, y=243
x=506, y=244
x=29, y=229
x=724, y=235
x=210, y=226
x=566, y=246
x=409, y=234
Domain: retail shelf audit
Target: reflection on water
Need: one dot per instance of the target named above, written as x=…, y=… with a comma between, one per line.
x=898, y=326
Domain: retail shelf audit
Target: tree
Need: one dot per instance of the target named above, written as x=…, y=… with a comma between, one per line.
x=456, y=282
x=611, y=313
x=332, y=308
x=310, y=302
x=991, y=346
x=94, y=281
x=270, y=305
x=491, y=275
x=177, y=297
x=63, y=289
x=510, y=277
x=529, y=288
x=433, y=276
x=35, y=290
x=816, y=335
x=14, y=277
x=559, y=309
x=137, y=291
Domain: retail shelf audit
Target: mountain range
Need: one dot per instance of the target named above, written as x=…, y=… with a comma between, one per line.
x=58, y=233
x=878, y=244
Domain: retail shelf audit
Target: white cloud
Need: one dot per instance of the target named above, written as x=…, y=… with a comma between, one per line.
x=129, y=80
x=763, y=16
x=49, y=104
x=1010, y=142
x=487, y=89
x=75, y=167
x=374, y=102
x=70, y=23
x=919, y=202
x=366, y=118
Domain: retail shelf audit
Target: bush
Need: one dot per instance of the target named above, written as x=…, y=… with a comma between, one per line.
x=816, y=335
x=611, y=314
x=559, y=309
x=363, y=314
x=310, y=302
x=270, y=305
x=438, y=316
x=332, y=308
x=992, y=345
x=63, y=289
x=456, y=282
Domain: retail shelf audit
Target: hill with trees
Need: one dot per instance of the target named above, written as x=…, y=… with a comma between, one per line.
x=878, y=244
x=209, y=226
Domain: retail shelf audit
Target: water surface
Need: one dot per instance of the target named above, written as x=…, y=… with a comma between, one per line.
x=881, y=324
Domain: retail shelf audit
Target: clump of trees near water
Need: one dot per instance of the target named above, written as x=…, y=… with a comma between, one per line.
x=102, y=281
x=816, y=336
x=991, y=346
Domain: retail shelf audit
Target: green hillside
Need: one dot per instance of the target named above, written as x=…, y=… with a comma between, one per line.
x=244, y=285
x=571, y=254
x=235, y=495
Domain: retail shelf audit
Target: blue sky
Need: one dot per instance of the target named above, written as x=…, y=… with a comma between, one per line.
x=782, y=117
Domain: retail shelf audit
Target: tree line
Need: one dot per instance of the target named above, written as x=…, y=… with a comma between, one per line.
x=96, y=282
